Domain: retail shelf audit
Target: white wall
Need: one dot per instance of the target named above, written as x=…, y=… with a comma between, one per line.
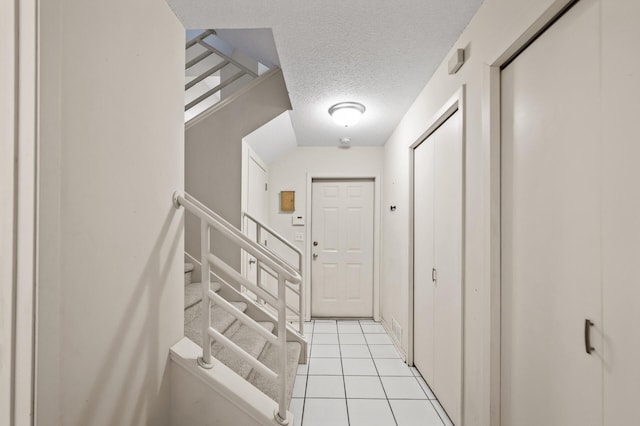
x=213, y=172
x=195, y=403
x=290, y=174
x=274, y=139
x=496, y=26
x=110, y=241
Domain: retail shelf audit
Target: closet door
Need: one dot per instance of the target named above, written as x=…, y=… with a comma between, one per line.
x=621, y=211
x=438, y=263
x=551, y=226
x=423, y=228
x=447, y=308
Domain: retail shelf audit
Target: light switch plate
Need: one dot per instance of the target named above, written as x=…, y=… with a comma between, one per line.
x=297, y=220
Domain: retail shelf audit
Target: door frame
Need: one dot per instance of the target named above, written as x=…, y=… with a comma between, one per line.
x=19, y=74
x=248, y=154
x=491, y=137
x=456, y=103
x=377, y=199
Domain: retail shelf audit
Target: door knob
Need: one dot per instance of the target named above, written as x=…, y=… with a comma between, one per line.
x=315, y=244
x=315, y=255
x=252, y=261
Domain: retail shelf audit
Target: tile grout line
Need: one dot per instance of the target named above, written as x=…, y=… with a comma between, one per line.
x=414, y=373
x=344, y=383
x=379, y=378
x=306, y=379
x=430, y=399
x=437, y=412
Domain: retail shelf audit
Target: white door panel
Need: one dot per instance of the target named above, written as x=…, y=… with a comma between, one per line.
x=342, y=265
x=438, y=250
x=447, y=339
x=423, y=228
x=551, y=235
x=257, y=206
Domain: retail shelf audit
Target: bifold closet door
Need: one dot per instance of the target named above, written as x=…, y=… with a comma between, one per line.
x=621, y=211
x=447, y=337
x=423, y=291
x=551, y=227
x=438, y=263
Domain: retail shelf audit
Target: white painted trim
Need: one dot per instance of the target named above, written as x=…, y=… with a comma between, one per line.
x=491, y=125
x=377, y=231
x=455, y=104
x=25, y=61
x=248, y=154
x=8, y=133
x=491, y=136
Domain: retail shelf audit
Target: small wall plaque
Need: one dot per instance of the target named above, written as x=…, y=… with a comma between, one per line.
x=287, y=201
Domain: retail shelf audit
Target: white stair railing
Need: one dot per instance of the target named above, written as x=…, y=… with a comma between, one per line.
x=261, y=229
x=284, y=273
x=209, y=71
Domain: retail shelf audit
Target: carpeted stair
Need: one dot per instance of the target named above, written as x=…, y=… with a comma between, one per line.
x=242, y=336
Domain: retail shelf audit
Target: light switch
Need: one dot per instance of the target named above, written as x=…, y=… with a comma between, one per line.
x=297, y=220
x=299, y=236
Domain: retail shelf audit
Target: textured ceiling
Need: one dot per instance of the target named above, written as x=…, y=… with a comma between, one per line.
x=378, y=53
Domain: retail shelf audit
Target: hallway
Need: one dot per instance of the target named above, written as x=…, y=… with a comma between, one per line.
x=355, y=376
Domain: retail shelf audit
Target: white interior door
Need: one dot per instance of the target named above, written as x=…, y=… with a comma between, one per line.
x=257, y=206
x=551, y=233
x=438, y=263
x=342, y=248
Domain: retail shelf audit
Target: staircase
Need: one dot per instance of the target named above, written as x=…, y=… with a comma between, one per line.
x=240, y=324
x=241, y=335
x=211, y=74
x=238, y=360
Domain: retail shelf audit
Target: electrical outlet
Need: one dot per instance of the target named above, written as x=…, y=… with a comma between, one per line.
x=299, y=236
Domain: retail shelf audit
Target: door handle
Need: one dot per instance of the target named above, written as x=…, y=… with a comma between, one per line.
x=252, y=261
x=587, y=336
x=315, y=255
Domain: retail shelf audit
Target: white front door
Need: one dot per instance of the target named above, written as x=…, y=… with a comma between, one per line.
x=342, y=248
x=551, y=226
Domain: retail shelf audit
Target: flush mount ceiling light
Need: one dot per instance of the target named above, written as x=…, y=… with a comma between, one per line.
x=346, y=113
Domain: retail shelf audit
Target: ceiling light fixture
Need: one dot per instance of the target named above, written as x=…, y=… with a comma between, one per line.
x=346, y=113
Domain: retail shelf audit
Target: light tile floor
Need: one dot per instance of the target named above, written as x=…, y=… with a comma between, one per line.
x=355, y=376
